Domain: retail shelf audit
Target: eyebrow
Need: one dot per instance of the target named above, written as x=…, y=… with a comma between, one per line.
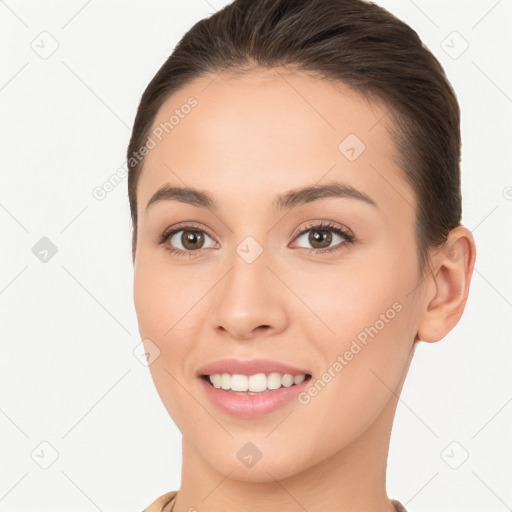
x=290, y=199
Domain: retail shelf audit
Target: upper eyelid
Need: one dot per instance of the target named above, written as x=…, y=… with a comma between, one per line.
x=324, y=223
x=184, y=226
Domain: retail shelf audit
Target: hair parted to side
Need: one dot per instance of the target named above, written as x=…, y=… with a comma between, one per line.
x=355, y=42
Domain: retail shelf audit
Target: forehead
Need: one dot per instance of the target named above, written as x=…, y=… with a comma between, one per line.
x=269, y=131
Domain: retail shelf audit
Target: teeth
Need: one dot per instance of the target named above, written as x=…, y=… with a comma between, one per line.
x=257, y=383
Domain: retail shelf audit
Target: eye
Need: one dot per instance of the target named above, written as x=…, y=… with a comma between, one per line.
x=189, y=239
x=185, y=240
x=320, y=236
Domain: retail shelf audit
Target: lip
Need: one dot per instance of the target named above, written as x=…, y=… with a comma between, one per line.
x=249, y=367
x=251, y=406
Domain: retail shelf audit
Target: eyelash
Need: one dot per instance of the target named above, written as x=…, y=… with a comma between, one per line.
x=315, y=226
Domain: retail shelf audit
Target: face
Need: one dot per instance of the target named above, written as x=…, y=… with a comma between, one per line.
x=325, y=282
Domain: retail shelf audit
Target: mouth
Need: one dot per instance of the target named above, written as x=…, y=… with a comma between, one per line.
x=250, y=396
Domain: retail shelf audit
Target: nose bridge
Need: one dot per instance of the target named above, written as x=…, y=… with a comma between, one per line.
x=249, y=267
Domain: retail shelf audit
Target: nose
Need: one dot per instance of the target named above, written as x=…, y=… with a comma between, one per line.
x=250, y=301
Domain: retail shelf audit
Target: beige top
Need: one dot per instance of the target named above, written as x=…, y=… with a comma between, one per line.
x=159, y=504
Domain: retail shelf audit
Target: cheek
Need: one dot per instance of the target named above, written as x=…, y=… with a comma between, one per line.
x=371, y=318
x=351, y=297
x=160, y=293
x=156, y=300
x=360, y=378
x=164, y=300
x=147, y=298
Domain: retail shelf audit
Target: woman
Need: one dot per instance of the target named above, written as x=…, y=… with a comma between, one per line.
x=295, y=196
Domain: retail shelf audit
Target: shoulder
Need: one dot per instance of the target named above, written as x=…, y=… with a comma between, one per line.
x=398, y=506
x=160, y=502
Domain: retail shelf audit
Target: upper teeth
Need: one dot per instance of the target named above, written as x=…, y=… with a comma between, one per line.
x=255, y=383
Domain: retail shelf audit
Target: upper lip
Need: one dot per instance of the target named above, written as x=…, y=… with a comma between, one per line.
x=249, y=367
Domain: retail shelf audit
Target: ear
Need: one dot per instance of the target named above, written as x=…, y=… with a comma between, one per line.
x=447, y=287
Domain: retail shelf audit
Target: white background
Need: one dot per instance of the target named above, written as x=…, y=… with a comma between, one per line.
x=69, y=376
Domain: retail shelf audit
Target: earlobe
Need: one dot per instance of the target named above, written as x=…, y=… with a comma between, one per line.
x=447, y=287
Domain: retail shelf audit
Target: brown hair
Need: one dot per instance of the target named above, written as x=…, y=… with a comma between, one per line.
x=352, y=41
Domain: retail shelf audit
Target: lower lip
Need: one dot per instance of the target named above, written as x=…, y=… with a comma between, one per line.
x=252, y=406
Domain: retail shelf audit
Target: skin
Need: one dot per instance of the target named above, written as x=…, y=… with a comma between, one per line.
x=329, y=454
